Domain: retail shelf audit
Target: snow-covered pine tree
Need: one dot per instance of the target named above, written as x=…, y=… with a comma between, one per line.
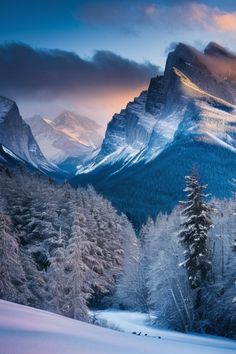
x=144, y=262
x=170, y=296
x=76, y=291
x=56, y=277
x=12, y=276
x=194, y=233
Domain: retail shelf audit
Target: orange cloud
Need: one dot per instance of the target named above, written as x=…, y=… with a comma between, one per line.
x=102, y=106
x=200, y=15
x=225, y=21
x=212, y=19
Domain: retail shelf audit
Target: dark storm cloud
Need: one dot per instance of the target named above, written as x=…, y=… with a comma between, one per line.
x=27, y=72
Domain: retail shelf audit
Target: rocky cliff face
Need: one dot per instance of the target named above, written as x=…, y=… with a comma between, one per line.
x=186, y=119
x=148, y=124
x=17, y=140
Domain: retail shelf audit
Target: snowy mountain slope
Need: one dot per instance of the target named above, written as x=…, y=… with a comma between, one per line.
x=191, y=108
x=149, y=123
x=16, y=136
x=79, y=128
x=126, y=135
x=55, y=144
x=9, y=159
x=24, y=330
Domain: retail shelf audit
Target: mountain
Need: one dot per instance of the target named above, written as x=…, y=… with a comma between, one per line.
x=9, y=159
x=80, y=128
x=17, y=144
x=69, y=137
x=186, y=119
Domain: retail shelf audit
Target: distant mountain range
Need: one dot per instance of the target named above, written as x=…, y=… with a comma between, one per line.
x=186, y=119
x=67, y=137
x=53, y=147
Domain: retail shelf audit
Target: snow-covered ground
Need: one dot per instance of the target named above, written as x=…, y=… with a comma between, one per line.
x=138, y=322
x=24, y=330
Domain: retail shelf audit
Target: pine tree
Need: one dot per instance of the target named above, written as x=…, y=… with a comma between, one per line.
x=77, y=289
x=56, y=277
x=194, y=233
x=12, y=276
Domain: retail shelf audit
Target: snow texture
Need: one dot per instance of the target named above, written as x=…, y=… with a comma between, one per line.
x=68, y=135
x=24, y=330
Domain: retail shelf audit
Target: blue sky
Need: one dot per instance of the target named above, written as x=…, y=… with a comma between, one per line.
x=138, y=30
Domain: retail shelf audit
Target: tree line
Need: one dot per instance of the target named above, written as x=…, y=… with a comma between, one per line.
x=67, y=250
x=60, y=249
x=182, y=272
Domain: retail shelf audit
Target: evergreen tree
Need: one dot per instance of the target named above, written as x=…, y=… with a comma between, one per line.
x=56, y=276
x=12, y=276
x=77, y=289
x=194, y=234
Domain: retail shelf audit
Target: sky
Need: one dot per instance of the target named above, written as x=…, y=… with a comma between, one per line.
x=93, y=56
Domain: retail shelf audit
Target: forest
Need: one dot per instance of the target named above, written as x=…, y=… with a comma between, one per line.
x=68, y=250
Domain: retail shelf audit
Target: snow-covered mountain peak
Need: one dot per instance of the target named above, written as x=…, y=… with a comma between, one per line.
x=67, y=139
x=187, y=115
x=70, y=118
x=191, y=89
x=211, y=72
x=79, y=128
x=16, y=136
x=150, y=122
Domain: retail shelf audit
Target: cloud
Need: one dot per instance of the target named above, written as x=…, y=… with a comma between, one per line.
x=48, y=81
x=225, y=21
x=46, y=74
x=131, y=16
x=212, y=19
x=170, y=47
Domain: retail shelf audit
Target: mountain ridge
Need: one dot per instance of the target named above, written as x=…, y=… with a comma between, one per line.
x=18, y=141
x=191, y=108
x=66, y=137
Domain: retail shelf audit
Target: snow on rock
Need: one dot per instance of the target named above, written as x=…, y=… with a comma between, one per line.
x=79, y=128
x=24, y=330
x=149, y=124
x=55, y=144
x=17, y=137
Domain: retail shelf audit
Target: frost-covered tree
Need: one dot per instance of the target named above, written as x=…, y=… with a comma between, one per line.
x=105, y=231
x=42, y=213
x=57, y=278
x=12, y=277
x=77, y=289
x=128, y=290
x=194, y=233
x=219, y=292
x=170, y=299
